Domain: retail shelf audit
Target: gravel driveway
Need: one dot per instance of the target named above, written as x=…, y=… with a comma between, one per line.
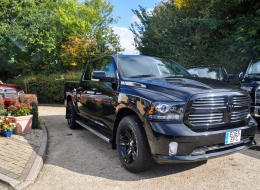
x=77, y=159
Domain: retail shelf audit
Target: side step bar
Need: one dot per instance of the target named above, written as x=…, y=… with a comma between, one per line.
x=100, y=133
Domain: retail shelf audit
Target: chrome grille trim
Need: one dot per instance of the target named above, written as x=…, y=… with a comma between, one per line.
x=206, y=119
x=238, y=115
x=205, y=102
x=240, y=101
x=206, y=111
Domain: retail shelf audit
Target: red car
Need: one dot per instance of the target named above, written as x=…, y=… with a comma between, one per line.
x=9, y=91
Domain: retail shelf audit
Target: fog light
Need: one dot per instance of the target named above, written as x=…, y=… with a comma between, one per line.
x=173, y=146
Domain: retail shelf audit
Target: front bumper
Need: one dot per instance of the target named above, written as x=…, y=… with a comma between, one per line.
x=195, y=146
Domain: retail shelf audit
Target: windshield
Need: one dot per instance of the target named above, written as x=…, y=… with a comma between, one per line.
x=213, y=72
x=254, y=68
x=135, y=66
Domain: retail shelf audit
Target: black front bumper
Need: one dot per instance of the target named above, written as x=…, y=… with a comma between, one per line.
x=194, y=146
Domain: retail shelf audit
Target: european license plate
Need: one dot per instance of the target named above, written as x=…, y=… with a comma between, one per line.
x=232, y=137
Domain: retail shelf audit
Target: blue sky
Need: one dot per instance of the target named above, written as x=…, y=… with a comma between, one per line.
x=122, y=8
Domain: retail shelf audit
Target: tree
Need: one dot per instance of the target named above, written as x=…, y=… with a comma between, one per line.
x=192, y=32
x=34, y=34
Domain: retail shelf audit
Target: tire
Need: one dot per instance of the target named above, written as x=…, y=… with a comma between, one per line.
x=132, y=145
x=71, y=116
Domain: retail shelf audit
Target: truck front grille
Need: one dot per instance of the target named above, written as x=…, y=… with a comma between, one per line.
x=216, y=111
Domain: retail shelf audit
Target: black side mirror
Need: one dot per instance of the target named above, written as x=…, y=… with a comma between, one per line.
x=230, y=76
x=101, y=76
x=98, y=75
x=194, y=75
x=241, y=76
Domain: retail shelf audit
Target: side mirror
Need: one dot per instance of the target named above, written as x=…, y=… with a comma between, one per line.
x=101, y=76
x=230, y=76
x=241, y=76
x=194, y=75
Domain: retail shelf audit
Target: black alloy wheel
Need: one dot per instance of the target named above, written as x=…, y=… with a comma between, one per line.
x=132, y=145
x=71, y=116
x=127, y=144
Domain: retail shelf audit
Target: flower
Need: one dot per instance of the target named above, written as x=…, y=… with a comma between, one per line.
x=20, y=109
x=6, y=124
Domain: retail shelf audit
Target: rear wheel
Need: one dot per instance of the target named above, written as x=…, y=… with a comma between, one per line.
x=132, y=145
x=71, y=116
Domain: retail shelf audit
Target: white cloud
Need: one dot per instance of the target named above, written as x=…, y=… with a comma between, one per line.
x=134, y=18
x=126, y=39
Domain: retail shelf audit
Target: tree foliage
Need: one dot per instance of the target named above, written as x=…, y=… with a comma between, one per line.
x=38, y=35
x=201, y=32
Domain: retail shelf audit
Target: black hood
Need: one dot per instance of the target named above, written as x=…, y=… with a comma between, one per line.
x=184, y=88
x=251, y=79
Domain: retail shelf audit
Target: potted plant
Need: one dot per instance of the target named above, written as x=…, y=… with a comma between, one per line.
x=20, y=113
x=7, y=126
x=20, y=109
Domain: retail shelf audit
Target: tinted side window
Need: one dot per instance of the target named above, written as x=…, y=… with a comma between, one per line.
x=102, y=64
x=90, y=67
x=107, y=65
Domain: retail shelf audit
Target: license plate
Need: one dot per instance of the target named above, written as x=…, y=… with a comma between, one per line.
x=232, y=137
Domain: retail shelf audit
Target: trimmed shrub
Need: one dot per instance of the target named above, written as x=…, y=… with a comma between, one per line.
x=48, y=87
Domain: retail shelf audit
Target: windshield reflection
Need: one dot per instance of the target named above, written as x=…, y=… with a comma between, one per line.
x=144, y=66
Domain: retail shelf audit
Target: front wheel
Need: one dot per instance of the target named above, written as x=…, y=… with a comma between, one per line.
x=71, y=116
x=132, y=145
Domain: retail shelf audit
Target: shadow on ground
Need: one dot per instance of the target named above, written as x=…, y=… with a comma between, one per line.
x=82, y=152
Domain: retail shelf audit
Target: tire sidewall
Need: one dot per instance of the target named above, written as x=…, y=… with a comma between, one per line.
x=70, y=108
x=133, y=126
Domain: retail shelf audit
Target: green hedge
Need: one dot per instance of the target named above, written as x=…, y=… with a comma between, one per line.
x=47, y=87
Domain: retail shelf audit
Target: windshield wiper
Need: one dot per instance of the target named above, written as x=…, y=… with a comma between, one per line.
x=138, y=76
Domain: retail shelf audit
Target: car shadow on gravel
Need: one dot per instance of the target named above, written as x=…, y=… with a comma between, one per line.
x=82, y=152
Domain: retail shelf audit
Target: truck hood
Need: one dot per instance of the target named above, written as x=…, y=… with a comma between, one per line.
x=252, y=79
x=183, y=88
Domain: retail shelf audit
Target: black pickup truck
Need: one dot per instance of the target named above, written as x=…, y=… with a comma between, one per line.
x=153, y=110
x=250, y=81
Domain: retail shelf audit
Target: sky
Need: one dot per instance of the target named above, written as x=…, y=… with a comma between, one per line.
x=123, y=9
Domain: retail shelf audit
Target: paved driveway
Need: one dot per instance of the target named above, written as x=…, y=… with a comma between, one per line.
x=77, y=159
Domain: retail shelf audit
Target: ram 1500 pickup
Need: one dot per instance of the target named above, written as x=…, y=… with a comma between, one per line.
x=153, y=110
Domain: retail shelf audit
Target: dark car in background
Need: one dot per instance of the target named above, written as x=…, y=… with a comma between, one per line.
x=250, y=81
x=213, y=72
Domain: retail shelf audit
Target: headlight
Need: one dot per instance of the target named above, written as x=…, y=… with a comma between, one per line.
x=247, y=88
x=166, y=111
